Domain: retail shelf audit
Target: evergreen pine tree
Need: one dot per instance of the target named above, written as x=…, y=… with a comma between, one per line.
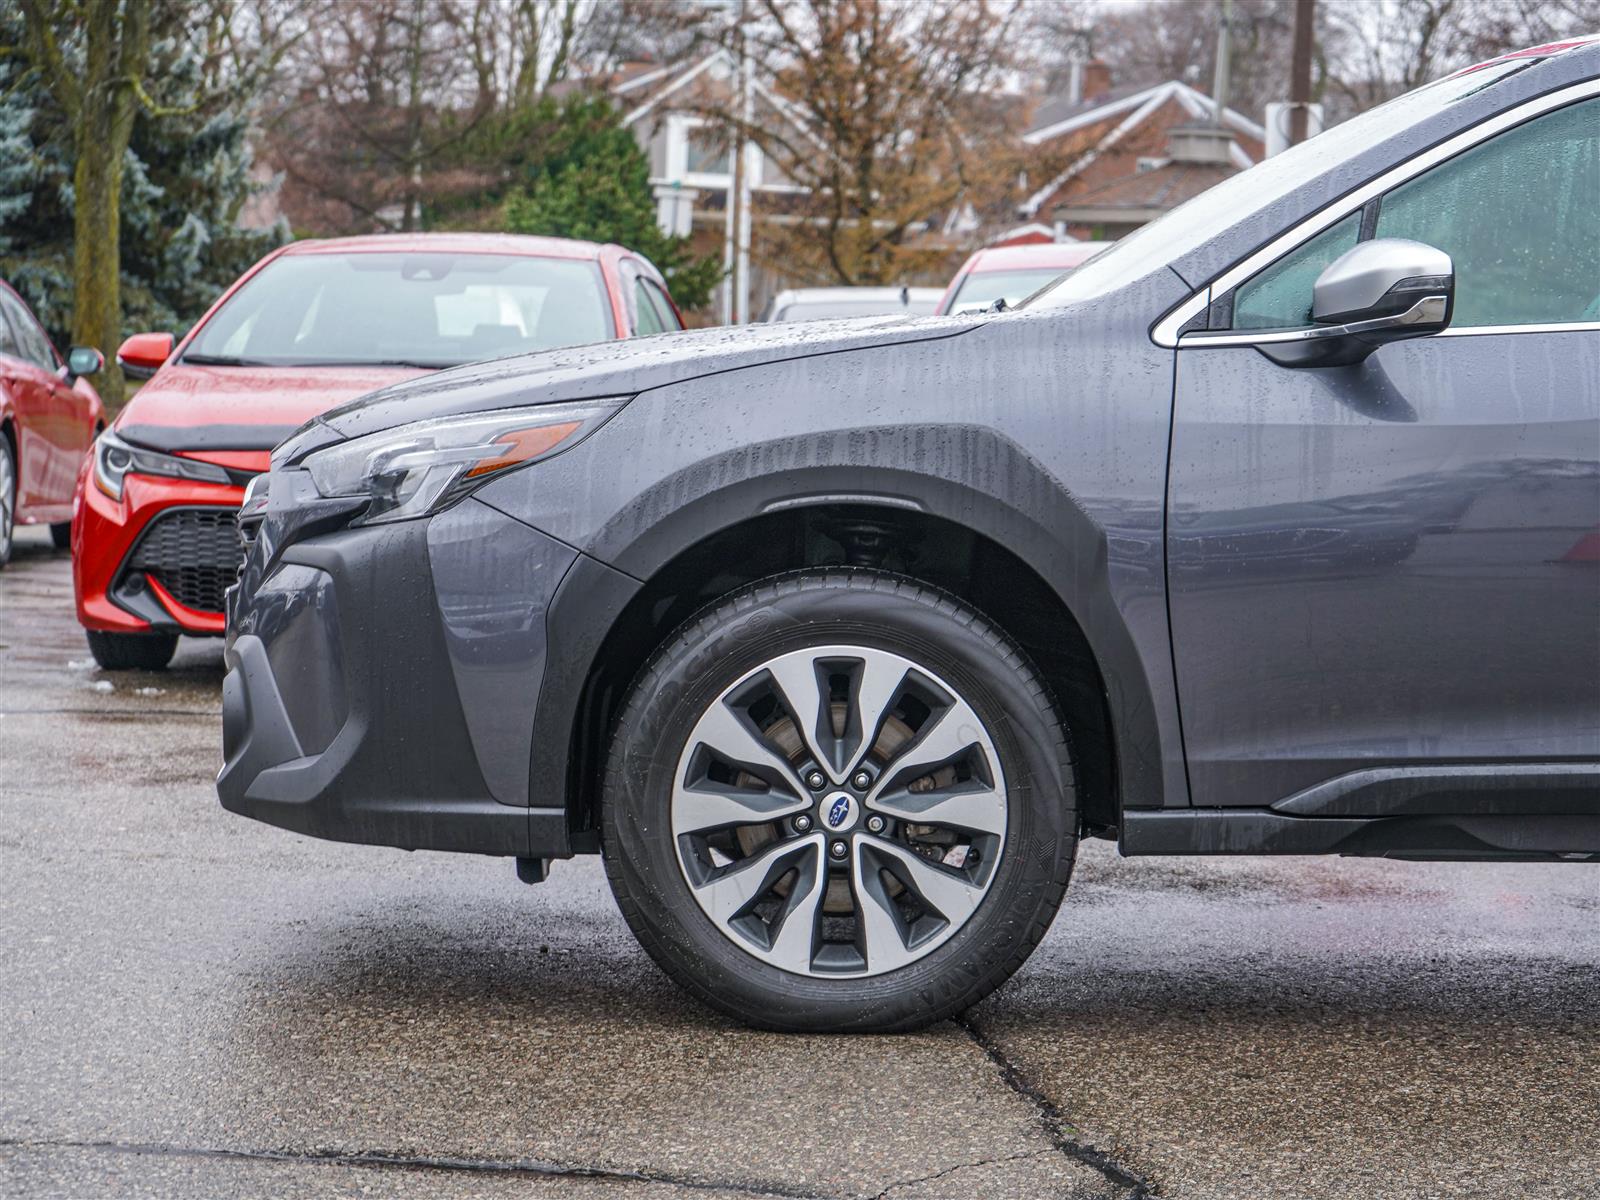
x=586, y=177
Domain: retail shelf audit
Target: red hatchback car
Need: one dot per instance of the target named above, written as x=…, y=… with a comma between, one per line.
x=48, y=416
x=1012, y=273
x=316, y=323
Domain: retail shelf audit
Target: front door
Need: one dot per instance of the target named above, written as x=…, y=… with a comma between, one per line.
x=1397, y=564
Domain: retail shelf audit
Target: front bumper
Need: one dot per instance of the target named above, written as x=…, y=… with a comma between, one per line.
x=158, y=558
x=382, y=681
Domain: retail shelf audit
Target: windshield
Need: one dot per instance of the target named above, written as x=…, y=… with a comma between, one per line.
x=822, y=310
x=1193, y=223
x=426, y=310
x=981, y=289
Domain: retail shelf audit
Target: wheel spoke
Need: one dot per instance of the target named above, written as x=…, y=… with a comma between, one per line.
x=796, y=679
x=731, y=737
x=947, y=734
x=703, y=806
x=796, y=939
x=876, y=689
x=880, y=924
x=730, y=892
x=973, y=806
x=953, y=896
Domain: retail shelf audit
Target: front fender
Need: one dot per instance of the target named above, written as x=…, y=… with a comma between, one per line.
x=913, y=427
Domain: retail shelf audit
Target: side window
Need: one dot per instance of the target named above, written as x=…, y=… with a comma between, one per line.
x=645, y=318
x=30, y=341
x=1279, y=296
x=8, y=340
x=1520, y=217
x=664, y=309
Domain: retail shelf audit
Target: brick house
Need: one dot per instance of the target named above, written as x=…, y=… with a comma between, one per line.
x=1113, y=158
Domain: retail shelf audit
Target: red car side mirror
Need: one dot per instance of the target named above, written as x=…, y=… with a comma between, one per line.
x=141, y=355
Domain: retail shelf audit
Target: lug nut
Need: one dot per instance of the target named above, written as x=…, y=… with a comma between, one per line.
x=862, y=781
x=875, y=823
x=816, y=781
x=802, y=823
x=838, y=849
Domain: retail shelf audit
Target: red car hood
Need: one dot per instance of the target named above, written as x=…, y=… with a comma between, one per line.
x=236, y=415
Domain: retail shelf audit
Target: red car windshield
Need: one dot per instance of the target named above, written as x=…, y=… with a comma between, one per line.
x=425, y=310
x=982, y=288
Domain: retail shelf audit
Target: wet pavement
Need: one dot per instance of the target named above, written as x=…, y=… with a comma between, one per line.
x=197, y=1005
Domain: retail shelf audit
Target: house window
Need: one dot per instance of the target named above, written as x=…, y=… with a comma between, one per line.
x=698, y=153
x=705, y=150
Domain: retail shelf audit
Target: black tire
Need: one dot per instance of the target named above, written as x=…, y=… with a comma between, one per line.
x=61, y=535
x=8, y=499
x=819, y=608
x=131, y=651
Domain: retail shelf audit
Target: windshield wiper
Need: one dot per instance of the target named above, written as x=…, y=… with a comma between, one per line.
x=382, y=362
x=1000, y=305
x=222, y=360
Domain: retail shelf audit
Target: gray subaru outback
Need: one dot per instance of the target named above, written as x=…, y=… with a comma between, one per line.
x=1273, y=530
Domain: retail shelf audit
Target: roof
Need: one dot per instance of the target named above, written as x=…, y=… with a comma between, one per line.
x=1060, y=110
x=1027, y=257
x=451, y=243
x=1161, y=188
x=1134, y=107
x=644, y=92
x=1544, y=51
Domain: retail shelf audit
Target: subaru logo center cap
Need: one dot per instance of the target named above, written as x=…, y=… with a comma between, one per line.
x=841, y=811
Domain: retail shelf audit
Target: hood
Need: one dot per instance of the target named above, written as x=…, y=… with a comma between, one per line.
x=198, y=410
x=622, y=368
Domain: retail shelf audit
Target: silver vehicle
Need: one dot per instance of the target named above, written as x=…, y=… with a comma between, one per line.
x=819, y=304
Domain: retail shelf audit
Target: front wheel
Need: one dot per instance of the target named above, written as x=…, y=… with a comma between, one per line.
x=839, y=800
x=61, y=535
x=131, y=651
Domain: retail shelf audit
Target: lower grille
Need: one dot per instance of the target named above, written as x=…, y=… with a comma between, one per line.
x=193, y=552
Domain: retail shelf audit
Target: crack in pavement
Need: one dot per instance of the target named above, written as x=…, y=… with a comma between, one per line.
x=1054, y=1121
x=965, y=1166
x=408, y=1162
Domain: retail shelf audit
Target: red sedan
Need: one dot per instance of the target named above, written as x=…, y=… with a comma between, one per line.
x=314, y=324
x=1012, y=273
x=48, y=417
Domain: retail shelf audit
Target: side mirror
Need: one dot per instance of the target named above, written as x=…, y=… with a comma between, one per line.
x=141, y=355
x=1385, y=290
x=84, y=360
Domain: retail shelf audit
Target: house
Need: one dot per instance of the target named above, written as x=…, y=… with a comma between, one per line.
x=1115, y=158
x=673, y=111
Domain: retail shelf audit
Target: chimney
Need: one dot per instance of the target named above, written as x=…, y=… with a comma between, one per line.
x=1200, y=144
x=1096, y=79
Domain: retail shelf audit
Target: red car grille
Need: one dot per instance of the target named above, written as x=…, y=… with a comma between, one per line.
x=193, y=552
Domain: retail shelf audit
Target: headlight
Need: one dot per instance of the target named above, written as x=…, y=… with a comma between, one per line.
x=115, y=459
x=415, y=469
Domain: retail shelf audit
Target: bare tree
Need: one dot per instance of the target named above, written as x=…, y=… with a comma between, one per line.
x=375, y=113
x=889, y=116
x=1379, y=49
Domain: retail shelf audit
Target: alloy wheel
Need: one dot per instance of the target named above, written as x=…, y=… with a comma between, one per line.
x=839, y=811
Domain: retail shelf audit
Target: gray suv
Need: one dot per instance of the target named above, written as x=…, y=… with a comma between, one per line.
x=1274, y=530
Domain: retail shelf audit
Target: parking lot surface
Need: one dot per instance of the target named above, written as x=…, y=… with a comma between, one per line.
x=197, y=1005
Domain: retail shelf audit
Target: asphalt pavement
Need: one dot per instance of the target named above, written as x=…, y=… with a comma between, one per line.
x=196, y=1005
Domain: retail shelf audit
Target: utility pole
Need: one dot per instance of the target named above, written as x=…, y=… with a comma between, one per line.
x=742, y=179
x=1219, y=82
x=1305, y=17
x=736, y=233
